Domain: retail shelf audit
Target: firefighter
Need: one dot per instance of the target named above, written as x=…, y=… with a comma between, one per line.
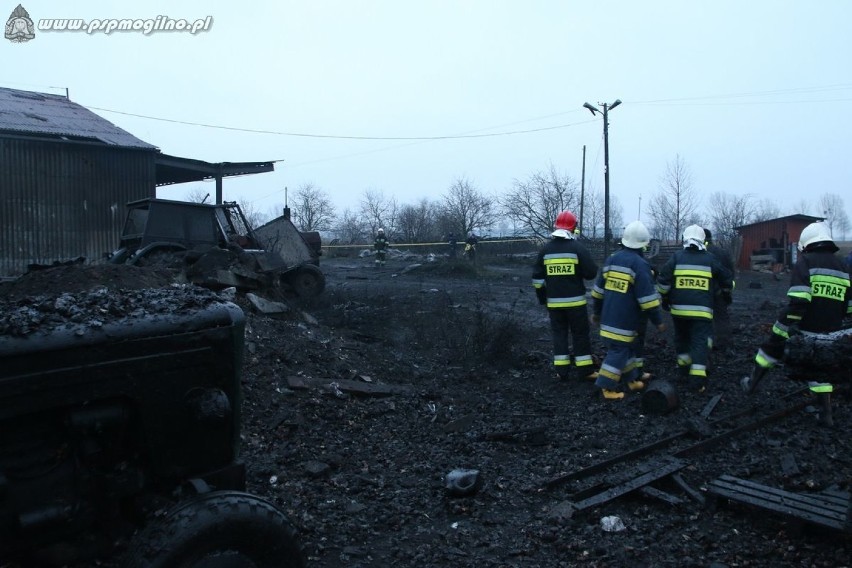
x=381, y=244
x=623, y=291
x=819, y=298
x=722, y=330
x=470, y=246
x=562, y=265
x=687, y=283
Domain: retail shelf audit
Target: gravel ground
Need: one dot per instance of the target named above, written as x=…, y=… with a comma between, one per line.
x=463, y=357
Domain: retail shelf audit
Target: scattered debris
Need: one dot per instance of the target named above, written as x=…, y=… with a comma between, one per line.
x=612, y=524
x=830, y=509
x=463, y=482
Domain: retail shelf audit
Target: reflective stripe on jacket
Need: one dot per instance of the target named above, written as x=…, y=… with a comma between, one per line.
x=560, y=269
x=623, y=291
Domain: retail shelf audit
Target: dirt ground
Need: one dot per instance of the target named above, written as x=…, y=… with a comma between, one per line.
x=464, y=354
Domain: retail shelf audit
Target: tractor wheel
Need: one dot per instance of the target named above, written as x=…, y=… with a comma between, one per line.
x=223, y=529
x=307, y=281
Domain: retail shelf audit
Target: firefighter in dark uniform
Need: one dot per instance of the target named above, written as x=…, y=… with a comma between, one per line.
x=381, y=244
x=820, y=297
x=687, y=283
x=623, y=291
x=562, y=265
x=722, y=330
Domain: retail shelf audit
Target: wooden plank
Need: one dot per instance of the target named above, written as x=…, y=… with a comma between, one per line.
x=345, y=385
x=693, y=494
x=658, y=473
x=817, y=509
x=711, y=405
x=661, y=495
x=781, y=496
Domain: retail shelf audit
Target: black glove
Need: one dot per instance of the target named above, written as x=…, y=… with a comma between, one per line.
x=726, y=297
x=666, y=304
x=541, y=294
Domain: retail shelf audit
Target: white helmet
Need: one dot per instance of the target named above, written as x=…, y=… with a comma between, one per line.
x=814, y=233
x=693, y=236
x=635, y=235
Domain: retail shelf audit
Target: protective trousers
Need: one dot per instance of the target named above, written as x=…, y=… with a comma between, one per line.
x=619, y=363
x=722, y=329
x=570, y=326
x=691, y=344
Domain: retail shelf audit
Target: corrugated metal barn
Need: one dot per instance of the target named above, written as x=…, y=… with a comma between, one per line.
x=67, y=173
x=772, y=237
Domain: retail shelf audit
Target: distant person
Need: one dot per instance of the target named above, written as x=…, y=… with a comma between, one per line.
x=623, y=292
x=470, y=246
x=722, y=329
x=687, y=283
x=381, y=244
x=819, y=298
x=451, y=240
x=558, y=277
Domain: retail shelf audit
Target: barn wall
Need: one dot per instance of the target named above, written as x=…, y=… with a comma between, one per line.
x=62, y=200
x=775, y=234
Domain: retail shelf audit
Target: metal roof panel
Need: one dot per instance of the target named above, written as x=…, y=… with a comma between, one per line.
x=54, y=115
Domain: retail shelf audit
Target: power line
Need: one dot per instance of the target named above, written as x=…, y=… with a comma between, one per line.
x=342, y=137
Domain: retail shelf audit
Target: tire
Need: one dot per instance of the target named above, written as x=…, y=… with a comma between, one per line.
x=223, y=529
x=307, y=281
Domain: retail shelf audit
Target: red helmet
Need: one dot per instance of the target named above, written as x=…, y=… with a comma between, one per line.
x=565, y=220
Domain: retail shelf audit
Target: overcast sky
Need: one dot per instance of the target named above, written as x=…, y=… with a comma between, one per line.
x=754, y=96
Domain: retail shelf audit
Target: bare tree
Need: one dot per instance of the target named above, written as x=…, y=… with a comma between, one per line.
x=416, y=223
x=834, y=212
x=728, y=211
x=197, y=195
x=254, y=217
x=312, y=208
x=802, y=207
x=593, y=215
x=674, y=206
x=350, y=228
x=378, y=211
x=534, y=203
x=466, y=207
x=766, y=209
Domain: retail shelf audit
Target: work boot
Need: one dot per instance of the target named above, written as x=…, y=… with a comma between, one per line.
x=697, y=384
x=612, y=395
x=823, y=395
x=646, y=377
x=564, y=373
x=749, y=383
x=635, y=385
x=586, y=373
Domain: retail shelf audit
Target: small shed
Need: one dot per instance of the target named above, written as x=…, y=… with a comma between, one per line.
x=771, y=242
x=68, y=173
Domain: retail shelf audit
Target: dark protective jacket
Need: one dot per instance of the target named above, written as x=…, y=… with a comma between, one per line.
x=689, y=280
x=819, y=298
x=559, y=271
x=623, y=291
x=819, y=295
x=381, y=242
x=725, y=259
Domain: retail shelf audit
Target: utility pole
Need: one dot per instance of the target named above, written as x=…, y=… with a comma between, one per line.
x=583, y=189
x=606, y=107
